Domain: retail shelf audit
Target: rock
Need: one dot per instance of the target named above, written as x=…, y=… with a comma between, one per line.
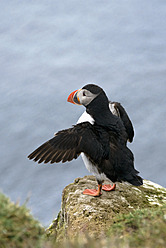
x=94, y=215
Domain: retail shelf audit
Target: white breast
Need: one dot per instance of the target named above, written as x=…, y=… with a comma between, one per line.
x=85, y=117
x=92, y=168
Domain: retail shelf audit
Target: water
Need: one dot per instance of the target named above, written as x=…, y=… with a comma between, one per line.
x=50, y=48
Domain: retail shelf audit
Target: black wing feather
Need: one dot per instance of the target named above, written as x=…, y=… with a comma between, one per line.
x=68, y=144
x=125, y=119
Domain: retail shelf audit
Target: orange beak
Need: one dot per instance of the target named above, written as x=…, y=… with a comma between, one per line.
x=73, y=98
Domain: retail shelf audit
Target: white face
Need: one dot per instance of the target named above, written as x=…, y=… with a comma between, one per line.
x=84, y=96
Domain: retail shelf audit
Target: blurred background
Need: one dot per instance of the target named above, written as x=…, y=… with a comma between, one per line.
x=49, y=49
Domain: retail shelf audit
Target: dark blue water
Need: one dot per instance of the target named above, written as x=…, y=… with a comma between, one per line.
x=50, y=48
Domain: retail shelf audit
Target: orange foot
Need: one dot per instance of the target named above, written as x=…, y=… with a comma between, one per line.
x=109, y=187
x=92, y=192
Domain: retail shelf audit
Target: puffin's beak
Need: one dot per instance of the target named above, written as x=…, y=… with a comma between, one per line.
x=73, y=97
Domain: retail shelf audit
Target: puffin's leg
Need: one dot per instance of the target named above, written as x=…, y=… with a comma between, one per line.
x=93, y=192
x=109, y=187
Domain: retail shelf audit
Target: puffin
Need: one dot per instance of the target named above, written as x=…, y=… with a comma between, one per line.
x=100, y=136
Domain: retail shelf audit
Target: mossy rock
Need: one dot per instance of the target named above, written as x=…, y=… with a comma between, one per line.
x=94, y=215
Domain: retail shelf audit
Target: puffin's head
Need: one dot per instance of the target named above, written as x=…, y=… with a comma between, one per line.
x=85, y=95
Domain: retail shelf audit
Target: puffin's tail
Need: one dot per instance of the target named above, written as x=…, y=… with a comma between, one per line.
x=132, y=177
x=136, y=181
x=127, y=171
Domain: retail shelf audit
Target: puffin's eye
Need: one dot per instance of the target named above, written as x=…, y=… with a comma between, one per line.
x=84, y=94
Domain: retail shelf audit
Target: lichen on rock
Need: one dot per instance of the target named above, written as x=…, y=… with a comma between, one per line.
x=94, y=215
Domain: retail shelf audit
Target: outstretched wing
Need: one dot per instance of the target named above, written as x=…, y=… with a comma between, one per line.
x=68, y=144
x=118, y=110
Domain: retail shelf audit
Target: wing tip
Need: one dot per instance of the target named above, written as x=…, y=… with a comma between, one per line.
x=30, y=157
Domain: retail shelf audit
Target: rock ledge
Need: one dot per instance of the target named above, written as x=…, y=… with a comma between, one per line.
x=94, y=215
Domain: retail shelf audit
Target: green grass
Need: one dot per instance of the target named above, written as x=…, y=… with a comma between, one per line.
x=141, y=228
x=17, y=226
